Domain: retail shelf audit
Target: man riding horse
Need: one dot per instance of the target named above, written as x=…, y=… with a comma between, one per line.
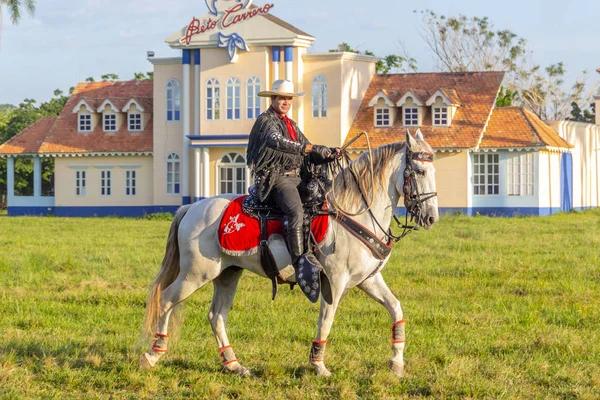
x=277, y=152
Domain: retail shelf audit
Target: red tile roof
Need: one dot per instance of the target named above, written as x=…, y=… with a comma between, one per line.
x=511, y=127
x=475, y=91
x=59, y=134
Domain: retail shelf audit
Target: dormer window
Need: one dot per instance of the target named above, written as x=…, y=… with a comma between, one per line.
x=411, y=116
x=440, y=116
x=85, y=123
x=135, y=122
x=444, y=104
x=411, y=108
x=382, y=116
x=110, y=122
x=382, y=111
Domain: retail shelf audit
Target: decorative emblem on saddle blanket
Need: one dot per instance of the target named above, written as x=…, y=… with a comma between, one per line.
x=233, y=225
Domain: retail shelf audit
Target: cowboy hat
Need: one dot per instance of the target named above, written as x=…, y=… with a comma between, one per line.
x=281, y=87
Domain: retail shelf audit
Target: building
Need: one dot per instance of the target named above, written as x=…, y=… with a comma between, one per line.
x=493, y=161
x=129, y=148
x=585, y=137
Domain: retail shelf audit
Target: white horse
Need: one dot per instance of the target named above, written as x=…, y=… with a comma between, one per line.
x=193, y=256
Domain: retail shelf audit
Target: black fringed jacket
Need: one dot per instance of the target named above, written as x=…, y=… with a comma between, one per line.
x=271, y=151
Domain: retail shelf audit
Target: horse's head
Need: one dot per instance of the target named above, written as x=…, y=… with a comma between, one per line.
x=417, y=182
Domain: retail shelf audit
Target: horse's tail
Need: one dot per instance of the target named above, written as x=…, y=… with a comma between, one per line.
x=167, y=274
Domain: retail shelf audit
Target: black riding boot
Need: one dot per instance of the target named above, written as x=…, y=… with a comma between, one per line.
x=308, y=269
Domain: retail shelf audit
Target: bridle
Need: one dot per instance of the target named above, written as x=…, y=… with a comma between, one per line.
x=413, y=199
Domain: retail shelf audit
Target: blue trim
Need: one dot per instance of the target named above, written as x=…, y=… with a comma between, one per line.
x=218, y=137
x=186, y=200
x=197, y=56
x=276, y=53
x=197, y=199
x=288, y=54
x=490, y=211
x=17, y=211
x=186, y=56
x=566, y=182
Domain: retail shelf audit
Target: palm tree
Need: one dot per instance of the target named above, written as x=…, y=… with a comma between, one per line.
x=14, y=9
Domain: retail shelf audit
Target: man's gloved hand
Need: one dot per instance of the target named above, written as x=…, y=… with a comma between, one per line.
x=323, y=151
x=336, y=153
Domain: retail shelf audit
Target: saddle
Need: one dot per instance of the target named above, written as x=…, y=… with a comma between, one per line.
x=313, y=195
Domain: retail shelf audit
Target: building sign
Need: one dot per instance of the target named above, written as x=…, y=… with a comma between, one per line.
x=224, y=15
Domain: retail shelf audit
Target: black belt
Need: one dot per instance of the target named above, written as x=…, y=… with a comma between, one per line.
x=291, y=172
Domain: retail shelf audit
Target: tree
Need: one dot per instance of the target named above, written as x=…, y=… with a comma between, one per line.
x=109, y=77
x=14, y=9
x=506, y=97
x=461, y=44
x=588, y=115
x=141, y=76
x=387, y=63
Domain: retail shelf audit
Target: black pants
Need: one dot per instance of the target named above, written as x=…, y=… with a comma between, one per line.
x=285, y=194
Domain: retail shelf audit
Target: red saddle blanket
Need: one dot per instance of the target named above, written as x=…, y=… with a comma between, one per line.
x=240, y=234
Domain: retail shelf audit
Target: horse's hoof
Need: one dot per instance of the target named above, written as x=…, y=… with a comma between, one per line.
x=322, y=371
x=244, y=372
x=239, y=369
x=145, y=363
x=396, y=368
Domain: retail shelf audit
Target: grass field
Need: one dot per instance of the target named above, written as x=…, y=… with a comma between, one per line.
x=495, y=308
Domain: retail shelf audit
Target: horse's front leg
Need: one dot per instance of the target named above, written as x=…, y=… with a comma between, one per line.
x=376, y=288
x=326, y=315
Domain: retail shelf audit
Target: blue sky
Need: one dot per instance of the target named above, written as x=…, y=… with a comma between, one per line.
x=69, y=40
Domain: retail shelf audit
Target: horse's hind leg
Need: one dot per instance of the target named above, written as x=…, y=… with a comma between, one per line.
x=376, y=288
x=225, y=287
x=174, y=294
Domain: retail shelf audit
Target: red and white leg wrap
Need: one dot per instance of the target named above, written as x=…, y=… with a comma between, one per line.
x=227, y=355
x=317, y=351
x=160, y=343
x=398, y=335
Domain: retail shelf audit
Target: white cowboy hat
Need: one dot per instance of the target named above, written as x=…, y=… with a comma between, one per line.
x=281, y=87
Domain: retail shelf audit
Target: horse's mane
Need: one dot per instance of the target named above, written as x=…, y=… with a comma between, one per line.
x=347, y=192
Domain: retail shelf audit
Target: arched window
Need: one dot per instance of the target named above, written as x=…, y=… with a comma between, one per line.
x=173, y=174
x=233, y=98
x=232, y=174
x=213, y=99
x=319, y=94
x=253, y=101
x=173, y=100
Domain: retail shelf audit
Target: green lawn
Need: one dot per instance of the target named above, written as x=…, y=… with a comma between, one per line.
x=495, y=308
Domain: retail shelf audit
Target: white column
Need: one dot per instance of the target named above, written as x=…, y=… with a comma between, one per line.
x=196, y=92
x=185, y=151
x=37, y=177
x=197, y=172
x=196, y=124
x=276, y=57
x=205, y=172
x=287, y=59
x=10, y=178
x=288, y=63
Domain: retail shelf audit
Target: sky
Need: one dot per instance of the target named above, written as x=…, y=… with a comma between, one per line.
x=67, y=41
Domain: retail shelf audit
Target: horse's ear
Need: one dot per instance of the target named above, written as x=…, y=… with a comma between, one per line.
x=412, y=143
x=419, y=135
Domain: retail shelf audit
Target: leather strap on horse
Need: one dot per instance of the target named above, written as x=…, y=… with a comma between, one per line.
x=267, y=261
x=379, y=249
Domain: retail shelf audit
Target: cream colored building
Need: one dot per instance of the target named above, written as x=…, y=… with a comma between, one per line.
x=130, y=148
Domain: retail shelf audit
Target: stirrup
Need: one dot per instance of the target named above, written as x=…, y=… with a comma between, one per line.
x=308, y=276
